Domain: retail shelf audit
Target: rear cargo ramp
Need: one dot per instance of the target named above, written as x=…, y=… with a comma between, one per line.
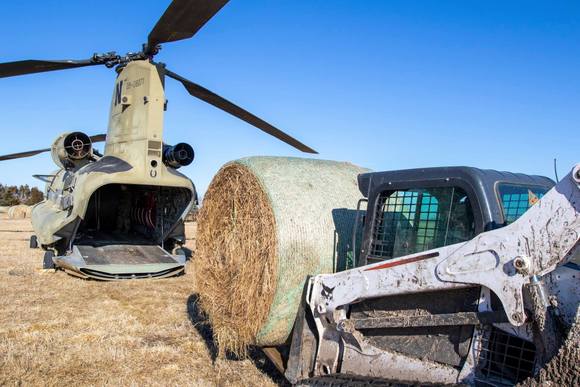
x=124, y=255
x=121, y=261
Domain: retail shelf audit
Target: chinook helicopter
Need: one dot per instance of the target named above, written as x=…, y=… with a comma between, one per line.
x=120, y=214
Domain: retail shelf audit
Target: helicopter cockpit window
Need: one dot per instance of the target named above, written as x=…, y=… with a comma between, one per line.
x=419, y=219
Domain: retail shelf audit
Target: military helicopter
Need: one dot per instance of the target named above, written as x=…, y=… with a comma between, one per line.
x=120, y=214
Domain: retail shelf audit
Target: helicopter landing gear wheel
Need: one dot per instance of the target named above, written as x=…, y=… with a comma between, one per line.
x=184, y=251
x=47, y=262
x=33, y=242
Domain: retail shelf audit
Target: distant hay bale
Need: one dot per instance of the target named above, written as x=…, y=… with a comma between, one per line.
x=19, y=211
x=265, y=224
x=4, y=209
x=28, y=211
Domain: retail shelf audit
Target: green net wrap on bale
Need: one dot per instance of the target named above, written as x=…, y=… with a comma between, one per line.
x=265, y=224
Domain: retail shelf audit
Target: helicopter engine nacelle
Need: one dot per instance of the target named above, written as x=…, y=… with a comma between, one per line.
x=178, y=155
x=72, y=150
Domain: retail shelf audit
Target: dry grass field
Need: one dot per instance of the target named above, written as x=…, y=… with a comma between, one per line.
x=59, y=330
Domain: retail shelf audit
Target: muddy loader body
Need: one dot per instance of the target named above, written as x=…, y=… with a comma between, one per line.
x=462, y=276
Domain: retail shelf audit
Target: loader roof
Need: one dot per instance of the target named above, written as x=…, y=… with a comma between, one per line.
x=483, y=183
x=482, y=177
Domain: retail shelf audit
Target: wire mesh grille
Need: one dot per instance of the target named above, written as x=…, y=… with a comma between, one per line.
x=504, y=358
x=517, y=199
x=416, y=220
x=400, y=227
x=515, y=205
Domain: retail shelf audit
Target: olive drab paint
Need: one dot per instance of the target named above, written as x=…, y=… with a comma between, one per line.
x=135, y=132
x=134, y=141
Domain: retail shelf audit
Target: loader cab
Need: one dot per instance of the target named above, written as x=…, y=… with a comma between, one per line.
x=414, y=210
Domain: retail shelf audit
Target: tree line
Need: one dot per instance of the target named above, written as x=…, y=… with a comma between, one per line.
x=11, y=195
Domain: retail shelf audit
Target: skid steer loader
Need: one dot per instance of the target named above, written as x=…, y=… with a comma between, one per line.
x=463, y=276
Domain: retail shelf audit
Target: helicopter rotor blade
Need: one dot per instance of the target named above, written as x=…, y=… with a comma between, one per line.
x=23, y=154
x=22, y=67
x=221, y=103
x=182, y=19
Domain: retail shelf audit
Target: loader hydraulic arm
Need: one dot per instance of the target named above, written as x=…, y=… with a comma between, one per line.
x=502, y=260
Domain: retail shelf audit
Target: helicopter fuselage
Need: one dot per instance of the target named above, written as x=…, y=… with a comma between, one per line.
x=126, y=197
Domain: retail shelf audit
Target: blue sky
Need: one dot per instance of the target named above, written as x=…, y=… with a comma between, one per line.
x=383, y=84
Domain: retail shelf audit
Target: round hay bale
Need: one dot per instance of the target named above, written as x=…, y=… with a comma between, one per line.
x=17, y=212
x=265, y=224
x=28, y=211
x=21, y=211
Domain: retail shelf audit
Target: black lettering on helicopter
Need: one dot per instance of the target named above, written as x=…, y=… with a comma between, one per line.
x=118, y=91
x=135, y=83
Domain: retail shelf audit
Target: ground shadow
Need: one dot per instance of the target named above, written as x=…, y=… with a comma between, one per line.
x=201, y=324
x=255, y=354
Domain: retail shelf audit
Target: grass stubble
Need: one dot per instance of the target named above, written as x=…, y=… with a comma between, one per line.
x=59, y=330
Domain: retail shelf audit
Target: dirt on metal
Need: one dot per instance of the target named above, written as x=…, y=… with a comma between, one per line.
x=564, y=368
x=59, y=330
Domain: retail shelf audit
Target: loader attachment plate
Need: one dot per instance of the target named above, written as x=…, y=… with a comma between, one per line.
x=117, y=262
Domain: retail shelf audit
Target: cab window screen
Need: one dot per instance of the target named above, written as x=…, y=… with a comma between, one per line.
x=516, y=199
x=420, y=219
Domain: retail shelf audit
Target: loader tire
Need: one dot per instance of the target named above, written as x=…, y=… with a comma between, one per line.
x=184, y=251
x=47, y=262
